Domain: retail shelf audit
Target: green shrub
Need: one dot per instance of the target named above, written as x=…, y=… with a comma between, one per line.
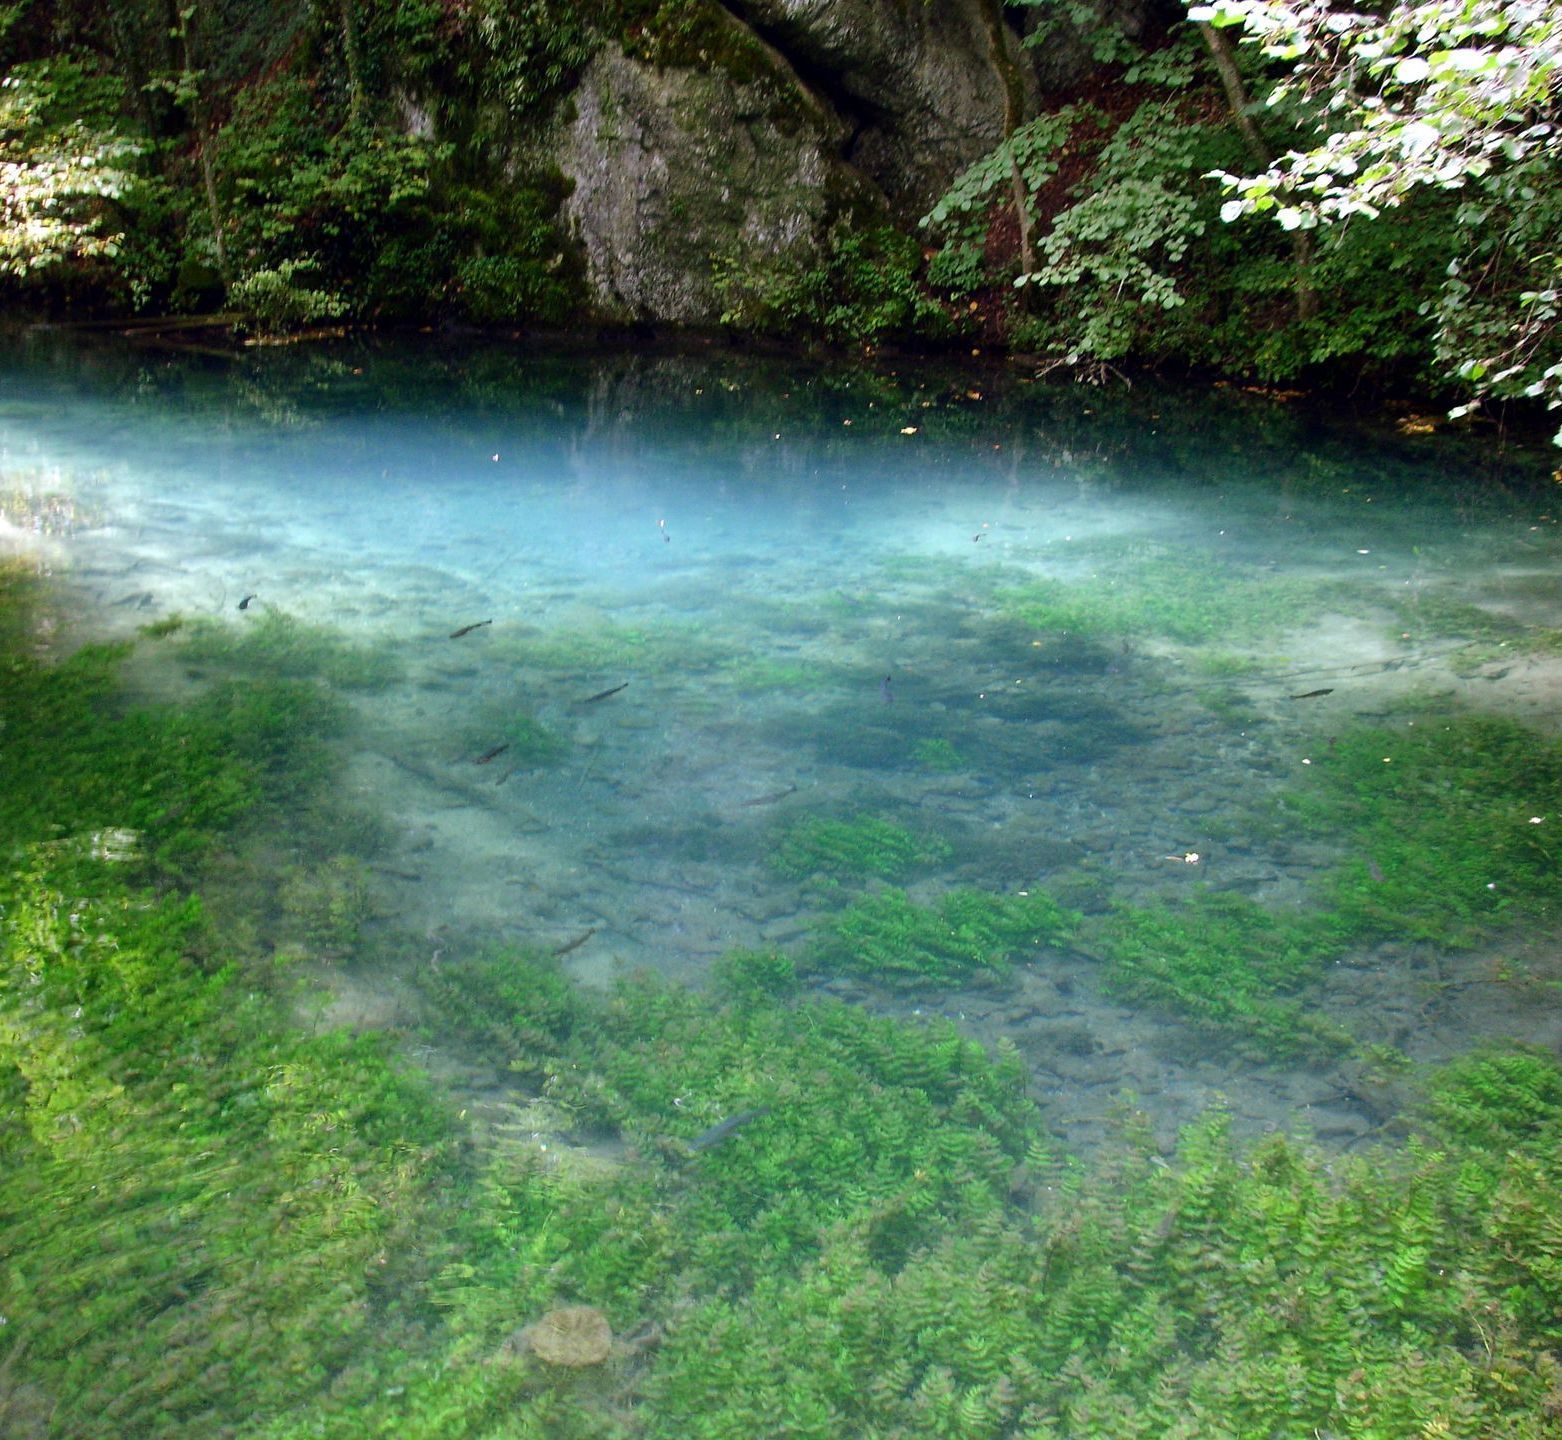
x=861, y=287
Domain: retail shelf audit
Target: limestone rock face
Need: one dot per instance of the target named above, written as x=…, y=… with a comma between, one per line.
x=926, y=85
x=785, y=116
x=678, y=170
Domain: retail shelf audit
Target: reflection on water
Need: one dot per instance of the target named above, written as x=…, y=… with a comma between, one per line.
x=970, y=698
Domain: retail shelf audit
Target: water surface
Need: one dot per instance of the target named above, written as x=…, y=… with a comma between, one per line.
x=1068, y=640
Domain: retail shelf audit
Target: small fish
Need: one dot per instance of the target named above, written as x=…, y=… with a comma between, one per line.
x=603, y=694
x=244, y=603
x=885, y=693
x=708, y=1139
x=1311, y=694
x=1375, y=871
x=574, y=944
x=139, y=598
x=468, y=629
x=493, y=754
x=769, y=799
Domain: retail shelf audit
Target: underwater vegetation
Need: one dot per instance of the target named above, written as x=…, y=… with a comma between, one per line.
x=891, y=938
x=855, y=849
x=213, y=1222
x=938, y=754
x=1226, y=963
x=1442, y=826
x=600, y=647
x=277, y=644
x=323, y=908
x=1445, y=822
x=531, y=743
x=78, y=757
x=1490, y=633
x=181, y=1170
x=1155, y=594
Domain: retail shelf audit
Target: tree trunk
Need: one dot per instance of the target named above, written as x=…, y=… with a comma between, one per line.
x=1013, y=116
x=203, y=149
x=354, y=63
x=1219, y=47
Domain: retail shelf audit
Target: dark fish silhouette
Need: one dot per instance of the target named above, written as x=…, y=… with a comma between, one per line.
x=468, y=629
x=769, y=799
x=885, y=693
x=603, y=694
x=1311, y=694
x=493, y=754
x=574, y=944
x=244, y=603
x=708, y=1139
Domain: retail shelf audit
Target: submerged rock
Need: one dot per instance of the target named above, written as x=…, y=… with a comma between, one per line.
x=573, y=1335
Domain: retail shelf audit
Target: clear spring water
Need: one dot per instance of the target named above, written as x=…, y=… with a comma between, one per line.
x=1073, y=636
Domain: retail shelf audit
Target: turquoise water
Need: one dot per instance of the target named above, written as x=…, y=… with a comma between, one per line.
x=695, y=752
x=1069, y=639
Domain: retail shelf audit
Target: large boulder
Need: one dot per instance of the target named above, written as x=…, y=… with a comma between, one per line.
x=678, y=171
x=926, y=86
x=750, y=127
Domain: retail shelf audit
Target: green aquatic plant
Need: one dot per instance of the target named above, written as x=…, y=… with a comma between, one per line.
x=746, y=976
x=324, y=907
x=532, y=744
x=891, y=938
x=1446, y=822
x=863, y=846
x=162, y=629
x=1444, y=827
x=517, y=1007
x=1427, y=614
x=938, y=754
x=277, y=644
x=79, y=758
x=1230, y=1291
x=182, y=1174
x=599, y=649
x=1227, y=963
x=1191, y=600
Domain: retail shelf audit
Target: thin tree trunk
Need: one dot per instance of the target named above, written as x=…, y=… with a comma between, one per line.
x=354, y=63
x=1306, y=296
x=203, y=149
